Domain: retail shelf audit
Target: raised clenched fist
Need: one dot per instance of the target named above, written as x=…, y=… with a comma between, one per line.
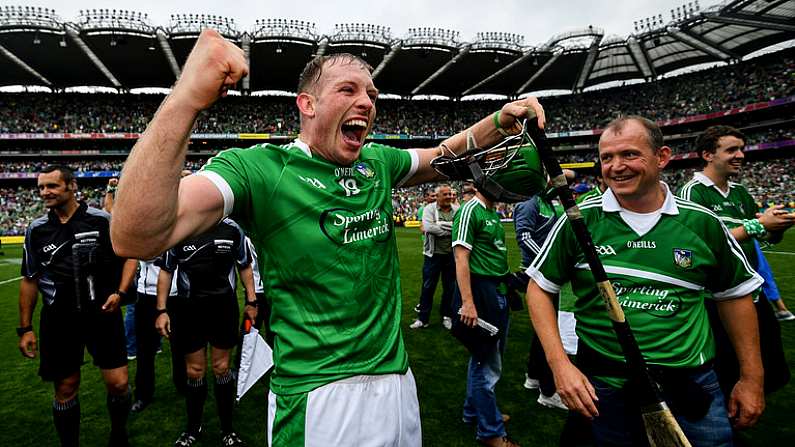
x=214, y=66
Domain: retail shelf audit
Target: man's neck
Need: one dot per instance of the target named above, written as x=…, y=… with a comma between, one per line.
x=721, y=181
x=488, y=203
x=66, y=211
x=444, y=208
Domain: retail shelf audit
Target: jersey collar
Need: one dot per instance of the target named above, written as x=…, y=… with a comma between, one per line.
x=303, y=146
x=81, y=209
x=610, y=202
x=706, y=181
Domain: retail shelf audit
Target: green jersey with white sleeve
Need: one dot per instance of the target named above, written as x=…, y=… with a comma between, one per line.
x=663, y=265
x=328, y=259
x=480, y=230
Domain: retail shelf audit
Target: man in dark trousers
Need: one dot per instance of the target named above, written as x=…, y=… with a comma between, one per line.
x=437, y=225
x=68, y=258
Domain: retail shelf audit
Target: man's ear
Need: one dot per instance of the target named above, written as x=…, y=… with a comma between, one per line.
x=664, y=154
x=306, y=104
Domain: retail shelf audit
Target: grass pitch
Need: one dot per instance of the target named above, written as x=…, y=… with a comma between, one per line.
x=437, y=360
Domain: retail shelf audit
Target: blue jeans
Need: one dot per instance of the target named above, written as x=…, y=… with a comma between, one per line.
x=481, y=401
x=129, y=330
x=618, y=425
x=432, y=268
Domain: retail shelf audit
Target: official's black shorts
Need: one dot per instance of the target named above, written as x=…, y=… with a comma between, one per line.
x=199, y=321
x=65, y=335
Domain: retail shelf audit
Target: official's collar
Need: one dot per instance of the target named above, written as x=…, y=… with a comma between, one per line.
x=610, y=202
x=81, y=209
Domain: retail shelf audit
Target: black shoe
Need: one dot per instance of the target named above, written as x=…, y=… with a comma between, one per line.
x=231, y=439
x=138, y=406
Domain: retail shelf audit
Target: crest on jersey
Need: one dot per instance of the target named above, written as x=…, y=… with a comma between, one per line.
x=683, y=258
x=365, y=170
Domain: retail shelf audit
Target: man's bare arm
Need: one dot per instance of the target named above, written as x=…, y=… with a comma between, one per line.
x=154, y=210
x=163, y=321
x=574, y=388
x=28, y=293
x=469, y=314
x=485, y=133
x=747, y=399
x=247, y=278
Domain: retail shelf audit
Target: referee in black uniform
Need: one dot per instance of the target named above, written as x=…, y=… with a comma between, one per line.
x=68, y=258
x=208, y=313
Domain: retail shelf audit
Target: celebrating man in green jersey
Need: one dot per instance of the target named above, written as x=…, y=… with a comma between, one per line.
x=664, y=256
x=319, y=212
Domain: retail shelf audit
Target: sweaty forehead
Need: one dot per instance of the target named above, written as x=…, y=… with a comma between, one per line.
x=345, y=70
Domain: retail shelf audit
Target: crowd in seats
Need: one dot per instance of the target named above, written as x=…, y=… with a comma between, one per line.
x=20, y=205
x=756, y=80
x=768, y=181
x=194, y=163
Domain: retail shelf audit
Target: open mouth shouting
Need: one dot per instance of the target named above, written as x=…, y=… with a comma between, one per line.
x=354, y=131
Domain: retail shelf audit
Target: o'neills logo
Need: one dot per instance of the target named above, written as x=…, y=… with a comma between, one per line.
x=657, y=302
x=344, y=226
x=641, y=244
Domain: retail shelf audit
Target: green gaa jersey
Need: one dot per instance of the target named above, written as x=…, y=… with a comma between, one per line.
x=479, y=230
x=663, y=265
x=328, y=258
x=732, y=207
x=595, y=192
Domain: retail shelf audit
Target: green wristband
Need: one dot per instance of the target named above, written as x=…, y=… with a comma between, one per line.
x=496, y=119
x=753, y=227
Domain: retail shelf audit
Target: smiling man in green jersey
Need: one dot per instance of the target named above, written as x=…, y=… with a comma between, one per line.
x=319, y=213
x=721, y=152
x=665, y=256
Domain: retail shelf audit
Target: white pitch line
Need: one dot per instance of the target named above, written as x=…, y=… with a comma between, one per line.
x=10, y=280
x=781, y=253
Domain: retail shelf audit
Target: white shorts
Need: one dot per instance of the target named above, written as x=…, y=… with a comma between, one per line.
x=365, y=411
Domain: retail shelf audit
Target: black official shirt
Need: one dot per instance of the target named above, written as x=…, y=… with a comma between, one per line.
x=73, y=262
x=205, y=265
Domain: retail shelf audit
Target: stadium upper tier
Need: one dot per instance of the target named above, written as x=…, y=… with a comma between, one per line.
x=124, y=50
x=768, y=80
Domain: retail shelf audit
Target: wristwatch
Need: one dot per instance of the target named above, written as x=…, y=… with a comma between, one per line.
x=159, y=312
x=251, y=303
x=24, y=330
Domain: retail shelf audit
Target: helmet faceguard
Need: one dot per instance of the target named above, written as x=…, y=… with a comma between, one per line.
x=511, y=171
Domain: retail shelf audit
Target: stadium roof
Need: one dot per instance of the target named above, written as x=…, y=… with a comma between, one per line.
x=123, y=50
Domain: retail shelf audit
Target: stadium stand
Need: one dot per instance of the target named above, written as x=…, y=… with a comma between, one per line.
x=94, y=132
x=762, y=79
